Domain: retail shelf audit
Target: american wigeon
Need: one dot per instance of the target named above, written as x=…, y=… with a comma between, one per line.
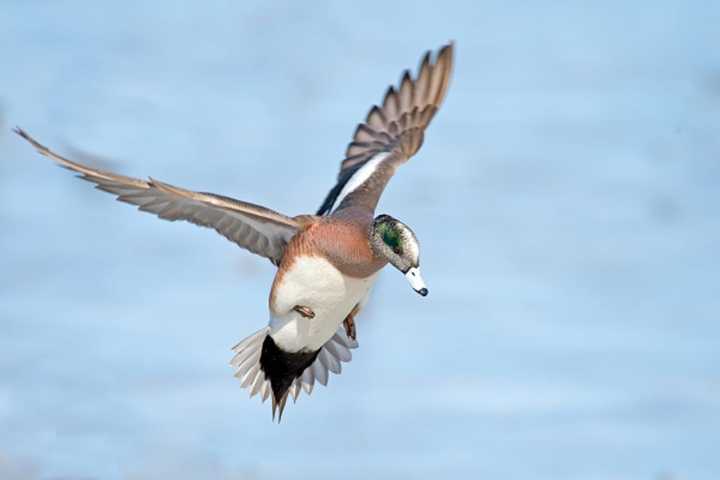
x=327, y=262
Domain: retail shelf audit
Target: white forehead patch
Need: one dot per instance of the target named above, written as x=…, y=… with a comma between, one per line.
x=360, y=177
x=413, y=244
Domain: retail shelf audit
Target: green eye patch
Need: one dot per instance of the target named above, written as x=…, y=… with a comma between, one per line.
x=391, y=237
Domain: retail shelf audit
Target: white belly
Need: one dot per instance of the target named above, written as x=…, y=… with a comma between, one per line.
x=315, y=283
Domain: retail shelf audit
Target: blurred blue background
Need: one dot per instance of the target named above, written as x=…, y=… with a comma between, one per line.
x=566, y=199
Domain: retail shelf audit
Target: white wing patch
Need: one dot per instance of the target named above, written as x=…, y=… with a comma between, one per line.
x=360, y=177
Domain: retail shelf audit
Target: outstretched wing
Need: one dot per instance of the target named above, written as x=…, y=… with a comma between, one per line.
x=391, y=134
x=252, y=227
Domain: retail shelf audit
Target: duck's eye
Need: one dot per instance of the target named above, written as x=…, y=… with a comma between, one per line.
x=397, y=250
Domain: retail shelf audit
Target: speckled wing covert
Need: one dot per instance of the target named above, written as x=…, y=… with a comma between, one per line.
x=255, y=228
x=391, y=134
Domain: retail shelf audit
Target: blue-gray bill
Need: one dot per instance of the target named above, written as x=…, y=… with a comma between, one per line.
x=416, y=281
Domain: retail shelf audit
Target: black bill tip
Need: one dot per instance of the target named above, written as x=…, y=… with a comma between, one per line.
x=423, y=291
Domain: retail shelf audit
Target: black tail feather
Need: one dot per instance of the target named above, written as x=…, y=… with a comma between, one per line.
x=282, y=368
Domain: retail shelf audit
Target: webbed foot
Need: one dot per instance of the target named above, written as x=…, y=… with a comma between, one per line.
x=350, y=329
x=304, y=311
x=349, y=323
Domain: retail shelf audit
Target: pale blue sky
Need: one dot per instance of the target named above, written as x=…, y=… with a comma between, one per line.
x=566, y=199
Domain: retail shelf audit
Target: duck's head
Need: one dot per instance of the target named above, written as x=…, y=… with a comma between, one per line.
x=396, y=242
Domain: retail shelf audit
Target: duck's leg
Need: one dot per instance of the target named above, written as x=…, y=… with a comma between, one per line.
x=349, y=323
x=304, y=311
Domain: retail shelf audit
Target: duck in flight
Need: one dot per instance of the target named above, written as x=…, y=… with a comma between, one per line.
x=327, y=262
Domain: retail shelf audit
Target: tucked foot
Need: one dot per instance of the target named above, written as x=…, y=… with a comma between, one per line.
x=304, y=311
x=350, y=330
x=349, y=323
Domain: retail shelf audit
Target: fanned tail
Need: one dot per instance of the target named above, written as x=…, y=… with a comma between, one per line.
x=246, y=363
x=259, y=372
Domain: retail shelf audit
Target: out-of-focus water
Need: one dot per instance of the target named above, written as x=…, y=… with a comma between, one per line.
x=566, y=199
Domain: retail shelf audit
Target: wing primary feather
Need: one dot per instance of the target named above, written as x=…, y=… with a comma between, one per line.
x=397, y=126
x=253, y=227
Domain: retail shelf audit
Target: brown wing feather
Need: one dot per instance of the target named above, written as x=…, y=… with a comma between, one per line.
x=255, y=228
x=398, y=125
